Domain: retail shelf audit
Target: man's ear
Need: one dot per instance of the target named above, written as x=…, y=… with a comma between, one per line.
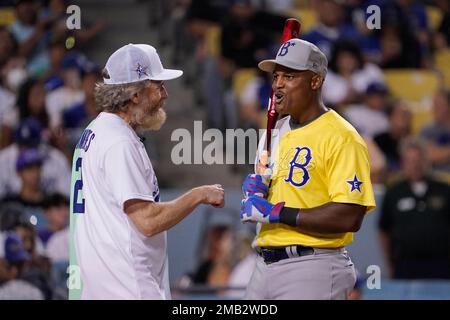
x=316, y=82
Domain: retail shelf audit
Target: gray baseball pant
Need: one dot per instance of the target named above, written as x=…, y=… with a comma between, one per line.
x=328, y=274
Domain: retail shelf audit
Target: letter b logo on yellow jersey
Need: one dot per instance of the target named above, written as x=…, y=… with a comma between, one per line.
x=301, y=153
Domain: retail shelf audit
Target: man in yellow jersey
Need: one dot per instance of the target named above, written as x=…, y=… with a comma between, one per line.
x=319, y=192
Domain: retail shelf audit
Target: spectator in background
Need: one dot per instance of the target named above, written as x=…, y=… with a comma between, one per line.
x=15, y=218
x=57, y=249
x=31, y=102
x=32, y=35
x=349, y=76
x=8, y=46
x=11, y=214
x=36, y=26
x=246, y=34
x=12, y=284
x=7, y=98
x=4, y=276
x=442, y=36
x=55, y=167
x=358, y=15
x=331, y=26
x=55, y=10
x=65, y=97
x=398, y=50
x=31, y=197
x=377, y=165
x=253, y=101
x=57, y=244
x=199, y=16
x=56, y=208
x=246, y=37
x=412, y=16
x=400, y=36
x=68, y=95
x=437, y=133
x=14, y=73
x=370, y=118
x=216, y=264
x=238, y=43
x=415, y=220
x=243, y=269
x=56, y=53
x=400, y=121
x=193, y=21
x=8, y=101
x=38, y=269
x=77, y=117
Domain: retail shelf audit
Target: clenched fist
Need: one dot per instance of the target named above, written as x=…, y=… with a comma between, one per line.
x=213, y=195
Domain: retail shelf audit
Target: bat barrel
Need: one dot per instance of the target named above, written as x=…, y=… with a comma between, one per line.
x=291, y=30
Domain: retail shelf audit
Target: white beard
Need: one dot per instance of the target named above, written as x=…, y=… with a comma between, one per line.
x=153, y=122
x=146, y=120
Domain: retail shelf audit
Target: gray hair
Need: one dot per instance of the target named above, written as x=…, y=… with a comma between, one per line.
x=115, y=98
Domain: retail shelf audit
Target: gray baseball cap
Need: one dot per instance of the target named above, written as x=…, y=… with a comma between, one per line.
x=137, y=62
x=298, y=55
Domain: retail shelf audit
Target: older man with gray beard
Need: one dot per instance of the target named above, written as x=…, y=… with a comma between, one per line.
x=118, y=241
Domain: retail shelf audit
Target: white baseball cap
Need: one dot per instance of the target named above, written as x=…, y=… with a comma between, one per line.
x=298, y=55
x=137, y=62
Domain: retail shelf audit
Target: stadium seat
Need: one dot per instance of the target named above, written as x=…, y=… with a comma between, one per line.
x=434, y=16
x=307, y=17
x=417, y=87
x=7, y=16
x=442, y=60
x=240, y=79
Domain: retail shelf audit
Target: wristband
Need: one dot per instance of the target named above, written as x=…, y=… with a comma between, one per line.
x=290, y=216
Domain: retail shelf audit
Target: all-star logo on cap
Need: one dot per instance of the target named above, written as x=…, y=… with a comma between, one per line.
x=141, y=70
x=139, y=61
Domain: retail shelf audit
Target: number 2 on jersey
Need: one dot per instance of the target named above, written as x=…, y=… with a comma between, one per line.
x=78, y=207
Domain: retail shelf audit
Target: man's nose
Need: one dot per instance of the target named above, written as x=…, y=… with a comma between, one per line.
x=278, y=83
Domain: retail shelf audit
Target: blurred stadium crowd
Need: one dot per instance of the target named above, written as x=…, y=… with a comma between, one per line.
x=391, y=83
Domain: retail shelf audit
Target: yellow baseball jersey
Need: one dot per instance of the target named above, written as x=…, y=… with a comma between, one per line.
x=323, y=161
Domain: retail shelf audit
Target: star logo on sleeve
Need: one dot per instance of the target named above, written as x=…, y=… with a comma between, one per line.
x=141, y=70
x=355, y=184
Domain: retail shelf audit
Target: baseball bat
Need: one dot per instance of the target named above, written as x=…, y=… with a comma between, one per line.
x=291, y=30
